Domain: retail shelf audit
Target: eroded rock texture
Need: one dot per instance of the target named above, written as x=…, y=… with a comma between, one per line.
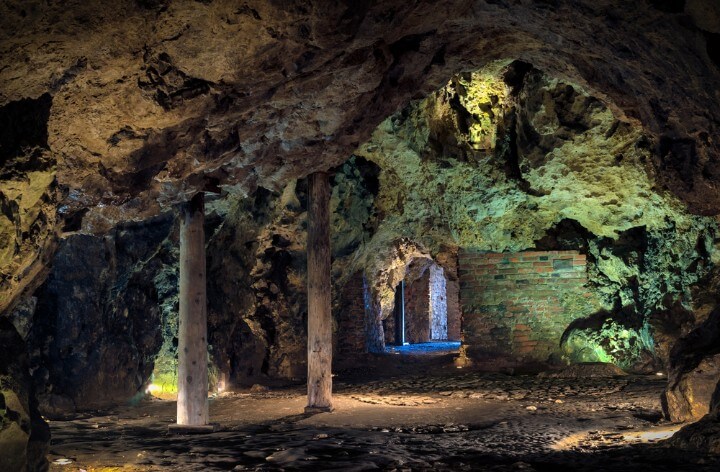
x=508, y=159
x=257, y=265
x=24, y=436
x=152, y=101
x=490, y=125
x=502, y=159
x=694, y=372
x=28, y=196
x=97, y=322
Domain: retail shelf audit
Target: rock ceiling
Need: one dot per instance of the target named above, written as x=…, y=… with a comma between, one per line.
x=135, y=105
x=160, y=98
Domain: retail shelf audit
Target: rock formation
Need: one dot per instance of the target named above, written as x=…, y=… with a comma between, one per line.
x=216, y=95
x=496, y=125
x=24, y=436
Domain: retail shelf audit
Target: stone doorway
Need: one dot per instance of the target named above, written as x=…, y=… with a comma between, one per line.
x=423, y=315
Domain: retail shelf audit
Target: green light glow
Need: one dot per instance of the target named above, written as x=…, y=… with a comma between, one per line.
x=612, y=343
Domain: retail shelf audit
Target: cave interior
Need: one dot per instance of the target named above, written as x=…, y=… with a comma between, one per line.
x=358, y=235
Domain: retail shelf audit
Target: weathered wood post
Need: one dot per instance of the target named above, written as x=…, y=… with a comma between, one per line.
x=192, y=405
x=319, y=347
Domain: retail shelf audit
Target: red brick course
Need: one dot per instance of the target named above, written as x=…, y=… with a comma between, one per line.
x=512, y=303
x=350, y=335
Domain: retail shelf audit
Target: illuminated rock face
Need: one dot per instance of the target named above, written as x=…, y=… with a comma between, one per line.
x=693, y=388
x=597, y=135
x=28, y=195
x=694, y=372
x=689, y=398
x=152, y=101
x=564, y=174
x=423, y=186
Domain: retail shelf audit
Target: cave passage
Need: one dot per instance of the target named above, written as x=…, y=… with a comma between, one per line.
x=421, y=320
x=359, y=235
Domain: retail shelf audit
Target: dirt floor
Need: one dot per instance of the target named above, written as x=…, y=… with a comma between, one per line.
x=400, y=413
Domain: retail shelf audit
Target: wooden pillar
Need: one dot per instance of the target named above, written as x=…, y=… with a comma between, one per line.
x=319, y=346
x=192, y=405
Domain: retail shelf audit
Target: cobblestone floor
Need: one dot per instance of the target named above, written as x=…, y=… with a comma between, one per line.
x=447, y=420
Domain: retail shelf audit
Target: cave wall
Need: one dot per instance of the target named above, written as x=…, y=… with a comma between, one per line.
x=555, y=163
x=349, y=336
x=24, y=435
x=693, y=391
x=114, y=111
x=492, y=161
x=506, y=159
x=257, y=299
x=97, y=323
x=29, y=197
x=146, y=97
x=104, y=323
x=448, y=261
x=694, y=372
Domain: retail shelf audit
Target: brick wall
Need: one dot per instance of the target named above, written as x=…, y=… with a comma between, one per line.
x=417, y=309
x=350, y=335
x=518, y=305
x=452, y=287
x=389, y=323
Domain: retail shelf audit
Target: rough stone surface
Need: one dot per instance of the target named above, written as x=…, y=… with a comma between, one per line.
x=97, y=324
x=416, y=195
x=349, y=337
x=510, y=129
x=703, y=436
x=257, y=283
x=28, y=197
x=694, y=373
x=593, y=181
x=24, y=436
x=586, y=370
x=688, y=399
x=415, y=419
x=147, y=96
x=417, y=302
x=104, y=324
x=438, y=304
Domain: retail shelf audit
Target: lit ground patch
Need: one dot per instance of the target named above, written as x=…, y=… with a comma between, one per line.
x=457, y=420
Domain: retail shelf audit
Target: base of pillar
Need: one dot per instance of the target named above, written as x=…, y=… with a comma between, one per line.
x=192, y=429
x=318, y=409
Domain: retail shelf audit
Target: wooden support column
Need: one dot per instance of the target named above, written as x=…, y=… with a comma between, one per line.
x=319, y=346
x=192, y=405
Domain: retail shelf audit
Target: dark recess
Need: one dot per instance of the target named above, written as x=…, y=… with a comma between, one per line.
x=23, y=125
x=669, y=6
x=712, y=41
x=566, y=235
x=680, y=155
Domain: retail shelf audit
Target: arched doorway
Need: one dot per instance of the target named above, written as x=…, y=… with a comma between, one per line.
x=425, y=317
